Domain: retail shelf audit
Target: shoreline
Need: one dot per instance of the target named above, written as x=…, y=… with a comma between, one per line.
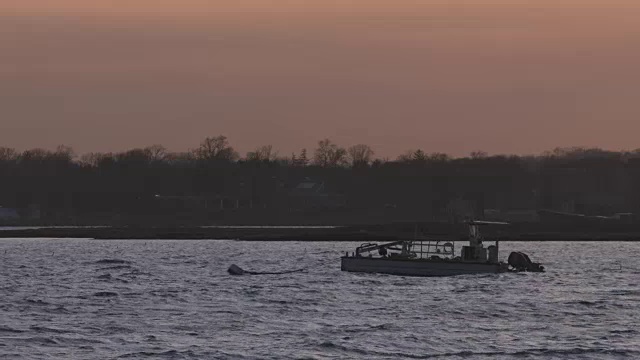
x=379, y=233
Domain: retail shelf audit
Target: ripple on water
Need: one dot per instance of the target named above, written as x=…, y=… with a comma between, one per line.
x=36, y=302
x=116, y=267
x=161, y=301
x=112, y=261
x=169, y=354
x=6, y=329
x=43, y=329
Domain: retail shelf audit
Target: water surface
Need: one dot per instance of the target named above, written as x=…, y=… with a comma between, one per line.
x=172, y=299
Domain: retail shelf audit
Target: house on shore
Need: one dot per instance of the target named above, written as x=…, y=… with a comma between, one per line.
x=312, y=195
x=8, y=215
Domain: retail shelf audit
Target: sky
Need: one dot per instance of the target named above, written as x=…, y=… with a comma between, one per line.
x=506, y=77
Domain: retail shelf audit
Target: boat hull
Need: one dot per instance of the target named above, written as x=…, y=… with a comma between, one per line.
x=417, y=267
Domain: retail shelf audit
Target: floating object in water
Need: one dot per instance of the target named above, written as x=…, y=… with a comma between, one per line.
x=436, y=257
x=237, y=270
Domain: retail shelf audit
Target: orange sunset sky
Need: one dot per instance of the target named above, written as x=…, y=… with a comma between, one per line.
x=449, y=76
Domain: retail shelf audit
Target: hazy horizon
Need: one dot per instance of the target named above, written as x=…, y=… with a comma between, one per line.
x=449, y=77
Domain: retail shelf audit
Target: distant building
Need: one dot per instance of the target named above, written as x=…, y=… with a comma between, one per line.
x=310, y=194
x=8, y=214
x=586, y=191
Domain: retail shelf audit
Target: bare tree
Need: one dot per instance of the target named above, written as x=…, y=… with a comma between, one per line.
x=286, y=160
x=216, y=148
x=440, y=157
x=419, y=156
x=577, y=152
x=303, y=159
x=180, y=158
x=34, y=155
x=407, y=156
x=92, y=159
x=479, y=154
x=8, y=154
x=359, y=155
x=379, y=162
x=134, y=157
x=156, y=153
x=329, y=154
x=262, y=153
x=64, y=153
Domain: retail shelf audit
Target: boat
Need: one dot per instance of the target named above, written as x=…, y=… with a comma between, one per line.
x=434, y=257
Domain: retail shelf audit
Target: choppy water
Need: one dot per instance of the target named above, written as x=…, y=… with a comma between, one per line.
x=87, y=299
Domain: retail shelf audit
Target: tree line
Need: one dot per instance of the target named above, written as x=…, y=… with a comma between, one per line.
x=326, y=154
x=218, y=149
x=63, y=184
